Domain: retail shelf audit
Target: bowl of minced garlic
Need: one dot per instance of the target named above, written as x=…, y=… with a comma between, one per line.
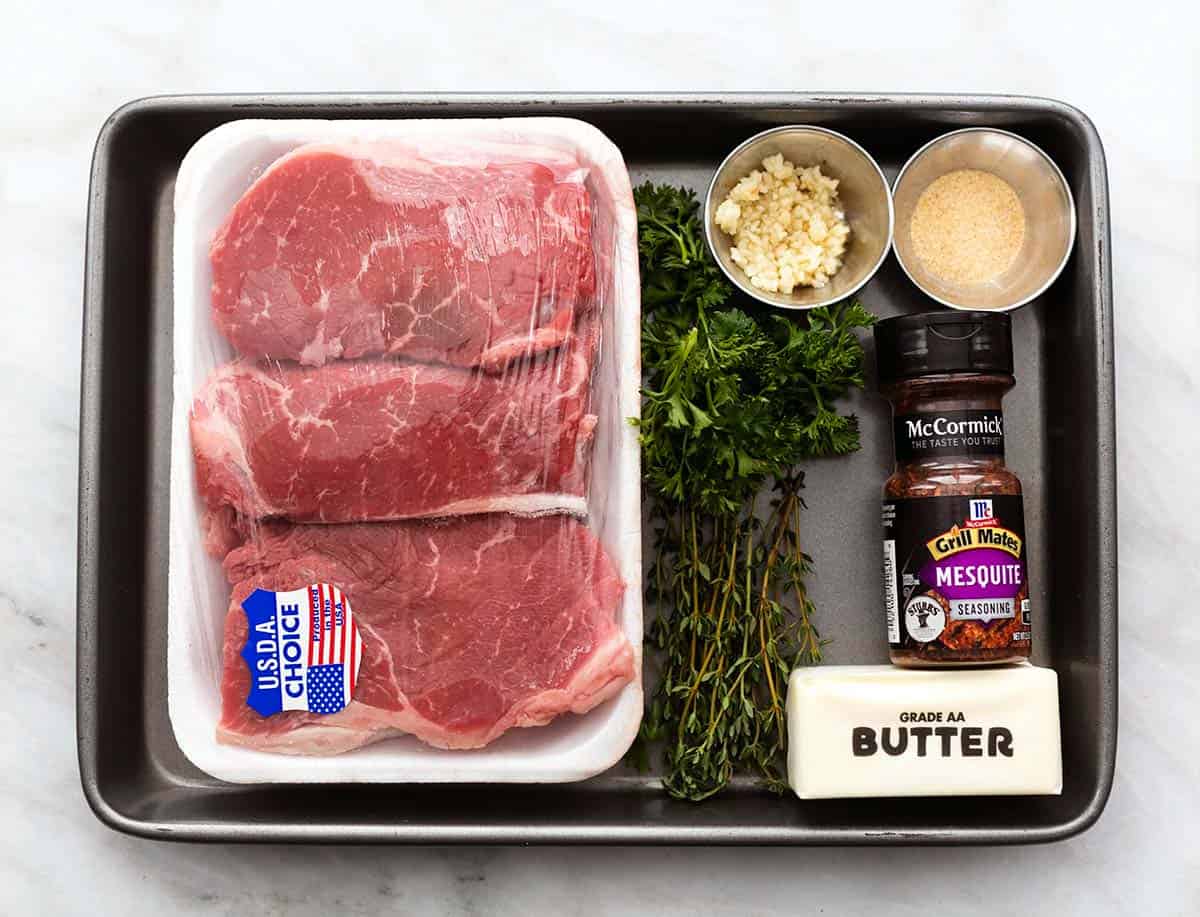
x=984, y=219
x=799, y=217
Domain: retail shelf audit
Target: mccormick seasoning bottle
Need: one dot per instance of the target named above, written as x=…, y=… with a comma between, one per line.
x=954, y=566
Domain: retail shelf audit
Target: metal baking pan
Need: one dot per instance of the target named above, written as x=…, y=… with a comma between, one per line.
x=1061, y=430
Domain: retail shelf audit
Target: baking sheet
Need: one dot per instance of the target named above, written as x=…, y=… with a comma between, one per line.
x=1060, y=417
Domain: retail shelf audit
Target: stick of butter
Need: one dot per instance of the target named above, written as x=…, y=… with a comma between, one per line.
x=880, y=730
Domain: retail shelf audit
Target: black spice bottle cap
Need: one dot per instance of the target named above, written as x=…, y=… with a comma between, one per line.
x=943, y=342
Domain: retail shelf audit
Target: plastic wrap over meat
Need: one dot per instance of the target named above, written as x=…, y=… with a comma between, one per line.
x=404, y=392
x=350, y=250
x=371, y=440
x=470, y=628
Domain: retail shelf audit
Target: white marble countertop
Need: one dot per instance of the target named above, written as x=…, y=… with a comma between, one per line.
x=1134, y=73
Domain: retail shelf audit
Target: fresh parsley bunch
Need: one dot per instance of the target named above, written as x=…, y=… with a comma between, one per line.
x=733, y=399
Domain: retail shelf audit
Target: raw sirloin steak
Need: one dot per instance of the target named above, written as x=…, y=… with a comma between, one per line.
x=469, y=628
x=380, y=439
x=346, y=250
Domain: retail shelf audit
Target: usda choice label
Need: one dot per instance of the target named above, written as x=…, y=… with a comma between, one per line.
x=303, y=649
x=955, y=572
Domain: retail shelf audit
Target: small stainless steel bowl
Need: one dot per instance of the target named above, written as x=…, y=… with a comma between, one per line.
x=862, y=189
x=1044, y=195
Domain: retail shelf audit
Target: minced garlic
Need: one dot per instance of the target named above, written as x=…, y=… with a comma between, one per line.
x=787, y=225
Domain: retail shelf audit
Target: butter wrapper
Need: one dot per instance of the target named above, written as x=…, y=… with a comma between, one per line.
x=880, y=731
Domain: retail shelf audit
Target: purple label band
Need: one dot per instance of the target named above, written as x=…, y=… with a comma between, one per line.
x=977, y=573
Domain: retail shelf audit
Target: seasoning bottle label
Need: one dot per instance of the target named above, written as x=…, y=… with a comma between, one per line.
x=955, y=577
x=961, y=433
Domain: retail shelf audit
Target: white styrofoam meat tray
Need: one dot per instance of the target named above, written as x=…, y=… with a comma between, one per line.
x=214, y=174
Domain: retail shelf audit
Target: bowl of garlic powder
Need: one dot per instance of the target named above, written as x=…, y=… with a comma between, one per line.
x=984, y=220
x=799, y=217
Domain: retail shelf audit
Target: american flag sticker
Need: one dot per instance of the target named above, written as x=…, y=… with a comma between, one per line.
x=303, y=649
